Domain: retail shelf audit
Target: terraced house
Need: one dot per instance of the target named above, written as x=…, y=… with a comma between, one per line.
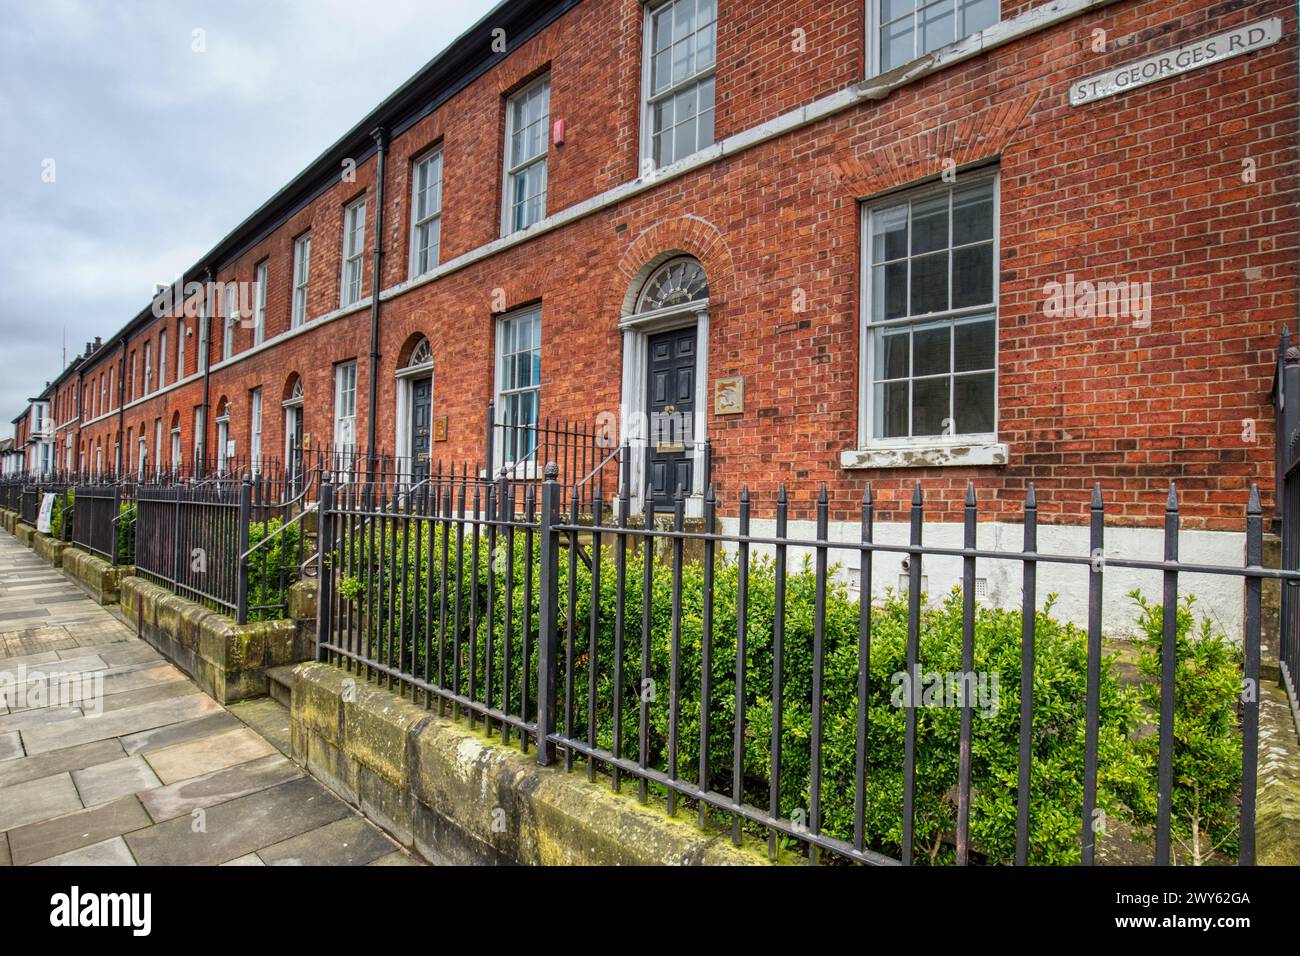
x=829, y=243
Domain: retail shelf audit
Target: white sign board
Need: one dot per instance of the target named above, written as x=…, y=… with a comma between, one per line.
x=1184, y=59
x=47, y=511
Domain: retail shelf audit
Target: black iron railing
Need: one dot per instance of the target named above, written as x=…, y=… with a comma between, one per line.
x=1286, y=403
x=98, y=516
x=738, y=672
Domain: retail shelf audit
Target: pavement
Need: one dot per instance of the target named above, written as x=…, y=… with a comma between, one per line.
x=111, y=756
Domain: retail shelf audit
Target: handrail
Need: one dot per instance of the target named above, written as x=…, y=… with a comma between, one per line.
x=284, y=527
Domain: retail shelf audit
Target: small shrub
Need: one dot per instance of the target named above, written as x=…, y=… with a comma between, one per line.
x=1207, y=739
x=271, y=569
x=126, y=533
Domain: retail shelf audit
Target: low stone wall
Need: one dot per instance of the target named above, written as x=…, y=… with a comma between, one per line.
x=8, y=520
x=49, y=548
x=24, y=533
x=227, y=660
x=454, y=796
x=101, y=580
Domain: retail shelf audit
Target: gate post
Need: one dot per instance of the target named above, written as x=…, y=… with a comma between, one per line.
x=325, y=593
x=548, y=615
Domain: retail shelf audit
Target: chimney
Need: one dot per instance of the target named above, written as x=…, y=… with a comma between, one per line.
x=98, y=342
x=88, y=349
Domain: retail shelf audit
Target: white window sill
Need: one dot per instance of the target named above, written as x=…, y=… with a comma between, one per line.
x=937, y=455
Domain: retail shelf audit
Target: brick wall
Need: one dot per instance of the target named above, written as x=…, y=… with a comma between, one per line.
x=1144, y=185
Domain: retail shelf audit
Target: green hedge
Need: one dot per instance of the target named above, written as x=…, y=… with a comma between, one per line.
x=272, y=569
x=373, y=576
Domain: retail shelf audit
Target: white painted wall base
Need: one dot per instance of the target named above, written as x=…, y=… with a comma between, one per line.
x=1219, y=597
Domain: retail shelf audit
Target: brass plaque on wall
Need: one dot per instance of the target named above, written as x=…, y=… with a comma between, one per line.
x=440, y=428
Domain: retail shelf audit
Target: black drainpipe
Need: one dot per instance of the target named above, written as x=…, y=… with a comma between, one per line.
x=205, y=360
x=121, y=409
x=380, y=135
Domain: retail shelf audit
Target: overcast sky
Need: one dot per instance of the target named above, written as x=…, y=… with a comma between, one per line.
x=158, y=150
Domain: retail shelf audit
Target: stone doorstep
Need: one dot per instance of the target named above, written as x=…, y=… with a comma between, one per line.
x=453, y=795
x=227, y=660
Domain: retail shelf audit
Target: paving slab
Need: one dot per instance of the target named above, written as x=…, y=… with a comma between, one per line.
x=145, y=695
x=159, y=737
x=59, y=761
x=347, y=842
x=40, y=841
x=193, y=759
x=110, y=852
x=269, y=718
x=239, y=827
x=5, y=859
x=118, y=723
x=18, y=719
x=38, y=800
x=108, y=781
x=133, y=652
x=11, y=746
x=248, y=859
x=395, y=859
x=219, y=786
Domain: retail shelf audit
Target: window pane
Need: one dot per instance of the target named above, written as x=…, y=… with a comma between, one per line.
x=889, y=292
x=972, y=214
x=936, y=25
x=892, y=353
x=974, y=345
x=896, y=46
x=930, y=405
x=976, y=15
x=889, y=234
x=974, y=403
x=930, y=283
x=931, y=349
x=891, y=410
x=893, y=9
x=972, y=276
x=930, y=224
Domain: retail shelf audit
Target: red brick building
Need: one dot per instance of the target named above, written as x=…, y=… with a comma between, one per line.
x=842, y=241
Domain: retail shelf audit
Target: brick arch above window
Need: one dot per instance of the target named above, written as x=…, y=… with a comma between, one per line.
x=683, y=236
x=978, y=137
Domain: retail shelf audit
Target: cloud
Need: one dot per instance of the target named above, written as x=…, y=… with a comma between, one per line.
x=164, y=139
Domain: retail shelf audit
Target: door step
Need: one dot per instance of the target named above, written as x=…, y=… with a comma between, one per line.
x=279, y=683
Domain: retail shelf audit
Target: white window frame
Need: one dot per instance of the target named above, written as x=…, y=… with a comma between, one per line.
x=148, y=368
x=223, y=438
x=255, y=430
x=512, y=168
x=433, y=220
x=354, y=256
x=259, y=309
x=162, y=359
x=992, y=453
x=135, y=376
x=157, y=446
x=875, y=58
x=199, y=426
x=142, y=456
x=345, y=399
x=176, y=448
x=649, y=99
x=499, y=393
x=180, y=348
x=228, y=330
x=301, y=277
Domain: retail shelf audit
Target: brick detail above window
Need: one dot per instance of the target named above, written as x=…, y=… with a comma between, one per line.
x=981, y=136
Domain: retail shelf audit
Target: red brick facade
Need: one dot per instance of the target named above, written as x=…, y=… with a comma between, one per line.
x=1190, y=183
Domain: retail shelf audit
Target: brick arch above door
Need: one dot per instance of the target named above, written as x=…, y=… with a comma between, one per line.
x=685, y=235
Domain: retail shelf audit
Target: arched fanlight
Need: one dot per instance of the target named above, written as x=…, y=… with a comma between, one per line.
x=296, y=394
x=676, y=282
x=422, y=354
